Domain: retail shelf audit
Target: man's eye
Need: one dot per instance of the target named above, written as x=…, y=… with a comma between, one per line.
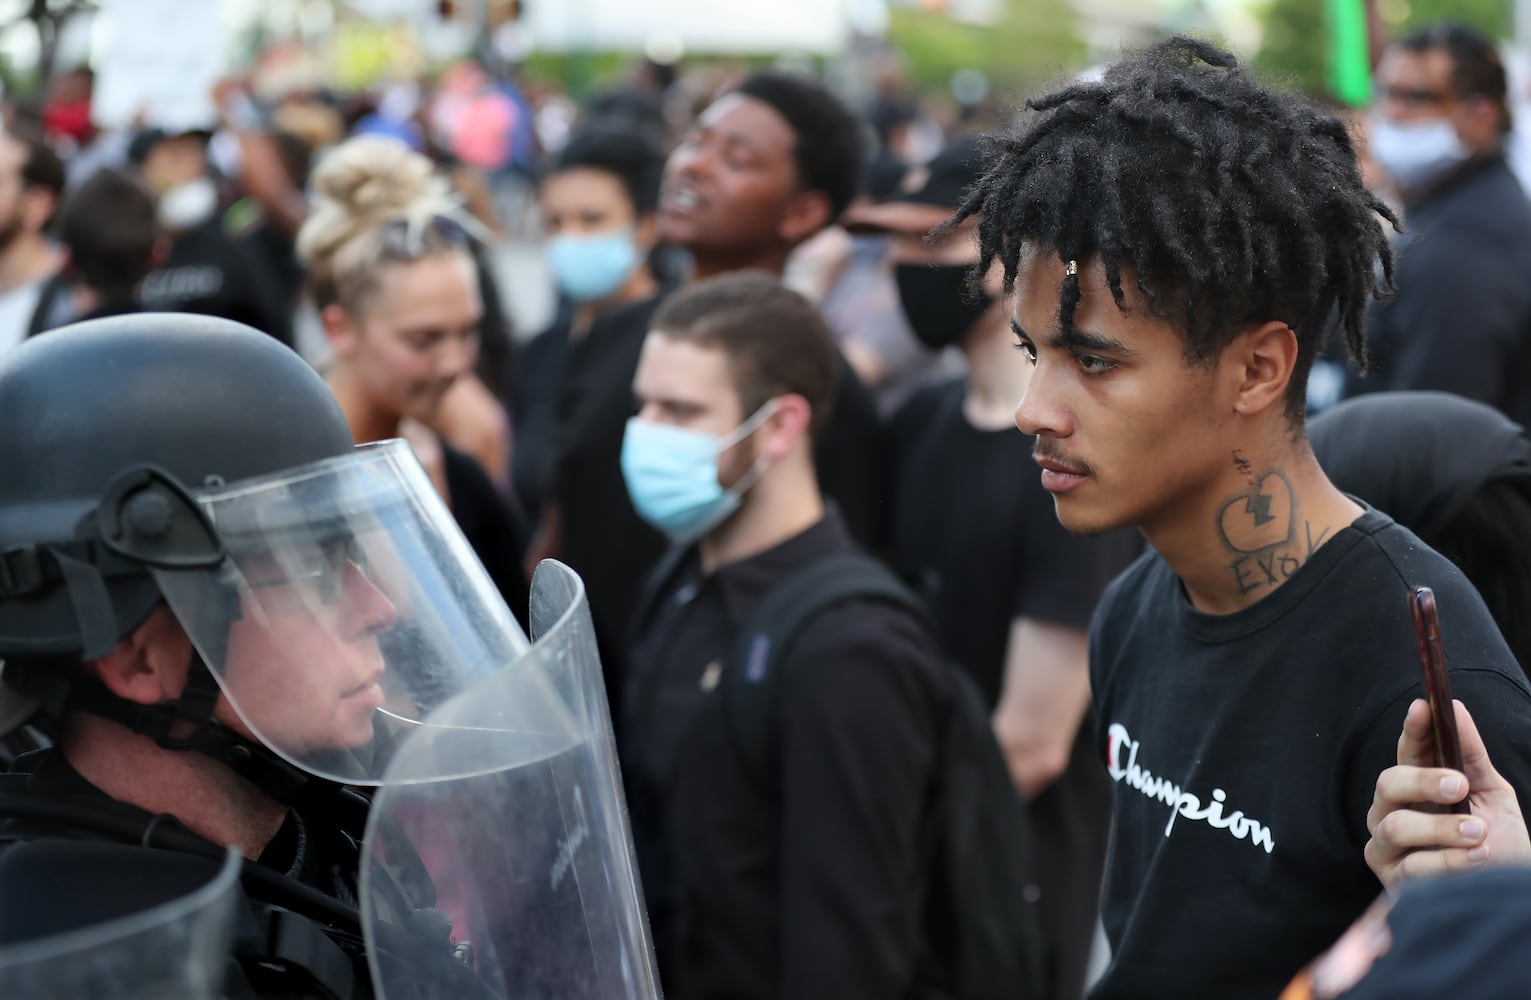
x=1092, y=365
x=1029, y=348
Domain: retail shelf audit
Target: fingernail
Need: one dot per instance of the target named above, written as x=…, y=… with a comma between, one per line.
x=1472, y=829
x=1451, y=786
x=1478, y=855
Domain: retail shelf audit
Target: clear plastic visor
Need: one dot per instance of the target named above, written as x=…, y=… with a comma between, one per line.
x=348, y=607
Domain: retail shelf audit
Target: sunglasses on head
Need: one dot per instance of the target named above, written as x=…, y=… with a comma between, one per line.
x=408, y=239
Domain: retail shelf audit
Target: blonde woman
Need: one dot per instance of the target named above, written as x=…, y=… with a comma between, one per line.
x=391, y=272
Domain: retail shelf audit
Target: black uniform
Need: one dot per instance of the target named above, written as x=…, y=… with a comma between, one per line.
x=306, y=851
x=1461, y=321
x=1246, y=749
x=816, y=891
x=976, y=534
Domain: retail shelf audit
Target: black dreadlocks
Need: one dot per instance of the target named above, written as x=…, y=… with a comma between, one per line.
x=1233, y=203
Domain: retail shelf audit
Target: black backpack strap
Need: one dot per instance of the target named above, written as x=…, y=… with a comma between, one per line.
x=655, y=585
x=752, y=677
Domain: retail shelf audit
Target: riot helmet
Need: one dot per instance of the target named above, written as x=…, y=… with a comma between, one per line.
x=194, y=462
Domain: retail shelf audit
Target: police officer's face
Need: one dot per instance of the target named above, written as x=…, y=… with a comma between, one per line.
x=303, y=664
x=415, y=335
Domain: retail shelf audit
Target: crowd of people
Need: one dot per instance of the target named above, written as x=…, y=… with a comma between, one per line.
x=851, y=443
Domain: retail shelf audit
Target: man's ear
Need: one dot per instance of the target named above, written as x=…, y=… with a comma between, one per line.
x=38, y=205
x=1478, y=118
x=150, y=665
x=126, y=673
x=646, y=231
x=1262, y=361
x=788, y=425
x=806, y=214
x=339, y=329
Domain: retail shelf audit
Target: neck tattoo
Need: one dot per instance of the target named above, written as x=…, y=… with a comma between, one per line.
x=1261, y=528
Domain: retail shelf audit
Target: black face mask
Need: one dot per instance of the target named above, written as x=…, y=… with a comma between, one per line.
x=937, y=303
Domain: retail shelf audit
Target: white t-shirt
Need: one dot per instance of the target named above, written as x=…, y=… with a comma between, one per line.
x=16, y=309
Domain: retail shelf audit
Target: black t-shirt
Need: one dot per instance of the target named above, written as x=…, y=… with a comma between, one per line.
x=1245, y=750
x=498, y=538
x=1461, y=320
x=604, y=539
x=976, y=535
x=537, y=383
x=817, y=891
x=211, y=273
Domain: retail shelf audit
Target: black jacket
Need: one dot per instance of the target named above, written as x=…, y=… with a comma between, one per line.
x=1461, y=320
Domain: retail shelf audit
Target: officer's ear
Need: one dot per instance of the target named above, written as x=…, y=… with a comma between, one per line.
x=149, y=666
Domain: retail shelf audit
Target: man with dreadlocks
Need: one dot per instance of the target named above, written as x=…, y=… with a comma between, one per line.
x=1176, y=237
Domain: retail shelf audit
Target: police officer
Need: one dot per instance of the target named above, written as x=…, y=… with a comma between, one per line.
x=222, y=614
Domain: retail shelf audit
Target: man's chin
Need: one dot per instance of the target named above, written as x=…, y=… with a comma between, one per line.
x=1077, y=520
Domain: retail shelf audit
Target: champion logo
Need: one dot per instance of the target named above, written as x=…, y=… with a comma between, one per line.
x=1122, y=763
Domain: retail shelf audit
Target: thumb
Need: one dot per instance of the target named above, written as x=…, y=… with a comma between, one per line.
x=1416, y=745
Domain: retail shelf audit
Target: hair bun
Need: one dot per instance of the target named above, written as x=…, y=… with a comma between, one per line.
x=374, y=178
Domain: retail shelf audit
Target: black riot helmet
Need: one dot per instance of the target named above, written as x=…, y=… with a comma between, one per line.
x=108, y=431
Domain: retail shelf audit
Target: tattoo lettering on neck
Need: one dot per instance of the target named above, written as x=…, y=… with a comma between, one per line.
x=1259, y=528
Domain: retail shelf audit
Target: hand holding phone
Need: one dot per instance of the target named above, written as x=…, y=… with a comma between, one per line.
x=1432, y=664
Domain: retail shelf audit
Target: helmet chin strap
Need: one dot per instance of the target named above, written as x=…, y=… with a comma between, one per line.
x=257, y=764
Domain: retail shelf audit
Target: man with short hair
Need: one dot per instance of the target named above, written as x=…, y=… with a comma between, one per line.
x=31, y=186
x=109, y=229
x=1177, y=238
x=1461, y=319
x=813, y=885
x=762, y=169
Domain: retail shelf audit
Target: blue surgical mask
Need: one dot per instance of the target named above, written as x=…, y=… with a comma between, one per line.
x=1416, y=154
x=672, y=475
x=592, y=266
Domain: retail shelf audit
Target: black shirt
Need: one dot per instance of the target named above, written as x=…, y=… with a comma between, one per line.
x=212, y=273
x=1461, y=320
x=604, y=539
x=537, y=384
x=1246, y=748
x=495, y=534
x=976, y=535
x=817, y=891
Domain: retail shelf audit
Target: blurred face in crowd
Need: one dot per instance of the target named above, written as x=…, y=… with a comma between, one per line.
x=584, y=201
x=598, y=243
x=174, y=161
x=1416, y=88
x=414, y=335
x=23, y=209
x=731, y=188
x=680, y=383
x=1127, y=430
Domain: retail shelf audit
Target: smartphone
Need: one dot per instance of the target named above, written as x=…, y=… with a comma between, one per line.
x=1432, y=665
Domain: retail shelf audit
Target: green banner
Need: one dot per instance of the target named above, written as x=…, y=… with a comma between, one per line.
x=1350, y=73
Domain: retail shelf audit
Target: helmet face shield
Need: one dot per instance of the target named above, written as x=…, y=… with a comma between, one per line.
x=348, y=607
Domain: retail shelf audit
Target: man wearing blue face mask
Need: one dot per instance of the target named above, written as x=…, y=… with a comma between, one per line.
x=1461, y=319
x=811, y=885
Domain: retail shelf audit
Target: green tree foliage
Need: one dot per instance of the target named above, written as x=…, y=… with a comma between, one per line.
x=1294, y=49
x=1293, y=52
x=1033, y=42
